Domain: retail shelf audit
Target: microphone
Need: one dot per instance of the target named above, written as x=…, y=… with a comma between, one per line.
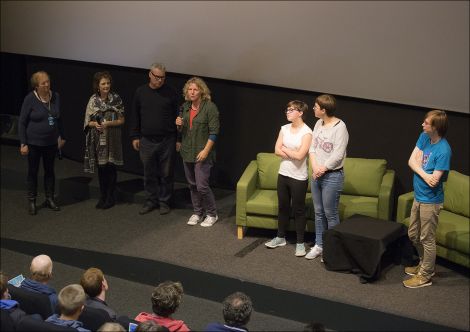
x=180, y=115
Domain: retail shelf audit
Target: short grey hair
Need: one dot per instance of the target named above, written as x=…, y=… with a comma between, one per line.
x=158, y=65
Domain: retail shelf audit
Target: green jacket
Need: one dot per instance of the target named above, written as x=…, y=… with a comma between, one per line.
x=205, y=123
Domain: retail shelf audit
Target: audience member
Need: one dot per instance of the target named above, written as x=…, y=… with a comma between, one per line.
x=150, y=326
x=314, y=327
x=41, y=273
x=7, y=303
x=327, y=156
x=71, y=304
x=199, y=126
x=430, y=162
x=166, y=298
x=236, y=309
x=292, y=146
x=153, y=133
x=111, y=327
x=95, y=286
x=104, y=117
x=41, y=135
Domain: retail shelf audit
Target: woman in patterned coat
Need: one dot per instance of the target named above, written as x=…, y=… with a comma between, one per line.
x=104, y=118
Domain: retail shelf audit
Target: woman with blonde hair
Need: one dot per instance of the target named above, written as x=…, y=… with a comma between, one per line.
x=199, y=125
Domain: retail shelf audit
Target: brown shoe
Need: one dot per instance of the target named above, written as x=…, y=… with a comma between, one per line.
x=413, y=270
x=417, y=281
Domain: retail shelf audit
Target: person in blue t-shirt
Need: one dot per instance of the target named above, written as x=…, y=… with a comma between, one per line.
x=430, y=162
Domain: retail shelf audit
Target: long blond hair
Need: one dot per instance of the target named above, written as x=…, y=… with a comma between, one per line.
x=205, y=92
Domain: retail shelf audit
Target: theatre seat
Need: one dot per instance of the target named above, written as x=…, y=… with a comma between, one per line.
x=368, y=190
x=31, y=302
x=29, y=323
x=93, y=318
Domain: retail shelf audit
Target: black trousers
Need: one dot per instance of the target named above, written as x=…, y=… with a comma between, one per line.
x=291, y=190
x=47, y=153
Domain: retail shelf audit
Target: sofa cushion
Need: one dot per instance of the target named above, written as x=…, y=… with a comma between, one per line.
x=263, y=202
x=363, y=177
x=456, y=193
x=268, y=169
x=453, y=231
x=351, y=205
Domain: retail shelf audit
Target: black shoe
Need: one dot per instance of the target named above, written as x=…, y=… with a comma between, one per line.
x=100, y=203
x=109, y=203
x=146, y=209
x=32, y=207
x=51, y=204
x=164, y=208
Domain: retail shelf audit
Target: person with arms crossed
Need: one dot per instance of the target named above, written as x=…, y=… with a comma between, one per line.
x=430, y=162
x=292, y=146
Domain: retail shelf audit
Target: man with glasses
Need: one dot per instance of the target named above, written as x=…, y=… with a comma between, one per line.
x=153, y=134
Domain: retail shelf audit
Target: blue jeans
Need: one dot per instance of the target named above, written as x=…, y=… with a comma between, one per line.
x=158, y=159
x=325, y=196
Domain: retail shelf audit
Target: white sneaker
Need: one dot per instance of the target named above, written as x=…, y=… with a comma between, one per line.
x=314, y=252
x=194, y=219
x=209, y=221
x=300, y=250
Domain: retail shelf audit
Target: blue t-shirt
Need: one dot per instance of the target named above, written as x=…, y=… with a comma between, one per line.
x=435, y=157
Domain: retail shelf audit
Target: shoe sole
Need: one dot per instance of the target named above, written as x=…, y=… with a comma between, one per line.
x=300, y=255
x=309, y=257
x=419, y=286
x=206, y=225
x=278, y=245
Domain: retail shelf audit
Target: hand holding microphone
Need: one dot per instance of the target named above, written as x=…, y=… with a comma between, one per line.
x=179, y=119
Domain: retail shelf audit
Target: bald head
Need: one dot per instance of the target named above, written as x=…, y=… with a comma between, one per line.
x=41, y=268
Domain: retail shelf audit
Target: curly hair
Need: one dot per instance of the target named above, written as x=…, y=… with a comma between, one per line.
x=237, y=309
x=205, y=92
x=166, y=298
x=97, y=78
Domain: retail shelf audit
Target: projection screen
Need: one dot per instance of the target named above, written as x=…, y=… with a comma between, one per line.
x=407, y=52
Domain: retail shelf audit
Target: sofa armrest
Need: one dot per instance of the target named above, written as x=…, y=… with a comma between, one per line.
x=405, y=201
x=386, y=195
x=246, y=186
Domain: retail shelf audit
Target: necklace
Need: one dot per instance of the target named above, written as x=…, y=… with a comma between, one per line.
x=46, y=103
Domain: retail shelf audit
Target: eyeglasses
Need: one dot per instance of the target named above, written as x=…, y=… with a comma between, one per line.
x=290, y=110
x=159, y=78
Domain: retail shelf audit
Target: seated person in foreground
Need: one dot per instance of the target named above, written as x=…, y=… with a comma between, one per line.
x=166, y=298
x=111, y=327
x=150, y=326
x=71, y=304
x=41, y=273
x=7, y=303
x=95, y=286
x=236, y=309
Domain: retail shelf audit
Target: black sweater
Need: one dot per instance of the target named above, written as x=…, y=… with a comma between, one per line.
x=153, y=112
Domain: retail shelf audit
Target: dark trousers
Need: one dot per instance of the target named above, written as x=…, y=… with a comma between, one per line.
x=107, y=177
x=158, y=159
x=291, y=190
x=48, y=154
x=202, y=197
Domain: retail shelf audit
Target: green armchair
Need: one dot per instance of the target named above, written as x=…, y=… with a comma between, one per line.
x=368, y=190
x=452, y=235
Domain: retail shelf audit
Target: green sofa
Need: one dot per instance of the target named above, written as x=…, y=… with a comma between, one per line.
x=452, y=237
x=368, y=190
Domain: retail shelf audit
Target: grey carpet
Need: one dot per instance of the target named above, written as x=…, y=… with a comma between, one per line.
x=216, y=250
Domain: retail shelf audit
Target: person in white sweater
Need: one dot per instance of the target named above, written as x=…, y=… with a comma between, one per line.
x=292, y=146
x=327, y=155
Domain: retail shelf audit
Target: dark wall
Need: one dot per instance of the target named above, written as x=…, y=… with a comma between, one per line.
x=250, y=114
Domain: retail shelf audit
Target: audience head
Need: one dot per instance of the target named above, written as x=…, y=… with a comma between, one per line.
x=237, y=309
x=41, y=268
x=71, y=299
x=438, y=120
x=5, y=295
x=314, y=327
x=150, y=326
x=327, y=103
x=201, y=85
x=166, y=298
x=93, y=282
x=111, y=327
